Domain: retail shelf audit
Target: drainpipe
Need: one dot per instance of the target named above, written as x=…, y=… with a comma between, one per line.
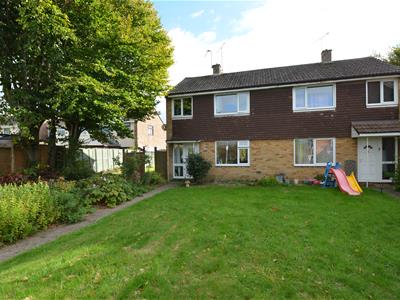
x=367, y=162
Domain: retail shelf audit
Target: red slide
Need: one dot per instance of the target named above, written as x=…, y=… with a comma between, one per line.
x=342, y=182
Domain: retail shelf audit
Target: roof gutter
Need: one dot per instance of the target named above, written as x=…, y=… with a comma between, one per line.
x=265, y=87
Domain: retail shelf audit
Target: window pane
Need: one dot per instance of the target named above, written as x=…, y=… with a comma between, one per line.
x=226, y=104
x=324, y=151
x=227, y=152
x=178, y=154
x=178, y=171
x=304, y=151
x=244, y=155
x=388, y=91
x=374, y=92
x=388, y=171
x=177, y=107
x=388, y=149
x=320, y=96
x=187, y=106
x=244, y=102
x=300, y=97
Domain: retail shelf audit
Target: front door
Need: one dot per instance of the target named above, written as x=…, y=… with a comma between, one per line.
x=376, y=158
x=180, y=155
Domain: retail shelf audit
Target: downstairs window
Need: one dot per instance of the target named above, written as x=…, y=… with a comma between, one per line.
x=314, y=152
x=232, y=153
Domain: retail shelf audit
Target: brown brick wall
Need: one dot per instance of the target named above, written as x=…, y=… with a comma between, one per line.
x=271, y=157
x=271, y=117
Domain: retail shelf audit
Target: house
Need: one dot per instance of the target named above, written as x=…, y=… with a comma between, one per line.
x=102, y=156
x=288, y=120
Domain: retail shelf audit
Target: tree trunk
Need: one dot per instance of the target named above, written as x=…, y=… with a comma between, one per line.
x=52, y=144
x=74, y=132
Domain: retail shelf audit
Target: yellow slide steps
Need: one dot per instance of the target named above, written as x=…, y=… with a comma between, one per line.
x=353, y=183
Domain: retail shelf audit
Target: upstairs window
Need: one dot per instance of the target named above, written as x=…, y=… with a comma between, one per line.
x=182, y=108
x=232, y=104
x=232, y=153
x=381, y=92
x=150, y=130
x=314, y=98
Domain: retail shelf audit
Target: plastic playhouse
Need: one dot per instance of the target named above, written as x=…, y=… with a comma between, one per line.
x=335, y=176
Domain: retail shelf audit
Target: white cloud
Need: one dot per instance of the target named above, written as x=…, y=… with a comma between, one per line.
x=285, y=32
x=197, y=14
x=217, y=19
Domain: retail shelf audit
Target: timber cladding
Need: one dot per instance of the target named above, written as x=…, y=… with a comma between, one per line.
x=271, y=117
x=272, y=157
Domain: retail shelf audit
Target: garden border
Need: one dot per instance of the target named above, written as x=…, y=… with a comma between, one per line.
x=51, y=234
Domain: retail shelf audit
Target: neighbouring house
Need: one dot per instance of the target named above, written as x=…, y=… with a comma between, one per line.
x=288, y=120
x=147, y=134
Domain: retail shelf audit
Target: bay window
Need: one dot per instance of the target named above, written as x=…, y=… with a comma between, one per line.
x=381, y=92
x=232, y=104
x=314, y=152
x=232, y=153
x=314, y=98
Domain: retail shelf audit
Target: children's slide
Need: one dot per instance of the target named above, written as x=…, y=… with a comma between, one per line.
x=353, y=183
x=343, y=183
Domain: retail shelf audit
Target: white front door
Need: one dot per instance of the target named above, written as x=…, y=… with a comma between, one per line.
x=377, y=158
x=180, y=155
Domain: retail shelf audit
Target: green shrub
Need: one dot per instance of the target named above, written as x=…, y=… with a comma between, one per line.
x=132, y=164
x=71, y=205
x=268, y=181
x=24, y=210
x=107, y=189
x=197, y=167
x=78, y=170
x=396, y=177
x=152, y=178
x=319, y=177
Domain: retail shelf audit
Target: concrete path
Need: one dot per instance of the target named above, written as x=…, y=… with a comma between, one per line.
x=51, y=234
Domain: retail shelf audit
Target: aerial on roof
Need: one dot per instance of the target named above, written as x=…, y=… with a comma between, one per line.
x=335, y=70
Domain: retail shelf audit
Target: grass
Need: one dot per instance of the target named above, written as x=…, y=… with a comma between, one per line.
x=223, y=242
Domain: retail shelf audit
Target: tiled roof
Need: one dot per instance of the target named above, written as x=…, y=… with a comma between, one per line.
x=335, y=70
x=387, y=126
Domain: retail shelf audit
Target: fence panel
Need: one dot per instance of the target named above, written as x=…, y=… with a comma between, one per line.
x=160, y=162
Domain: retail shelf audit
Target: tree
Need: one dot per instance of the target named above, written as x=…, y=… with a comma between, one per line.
x=33, y=34
x=115, y=71
x=394, y=56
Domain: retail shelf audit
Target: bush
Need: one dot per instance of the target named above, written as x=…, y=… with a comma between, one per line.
x=197, y=167
x=107, y=189
x=71, y=205
x=16, y=179
x=268, y=181
x=24, y=210
x=78, y=170
x=396, y=177
x=319, y=177
x=132, y=164
x=152, y=178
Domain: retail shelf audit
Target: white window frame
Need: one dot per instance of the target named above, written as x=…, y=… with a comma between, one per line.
x=382, y=103
x=237, y=113
x=314, y=164
x=238, y=164
x=150, y=127
x=306, y=87
x=181, y=116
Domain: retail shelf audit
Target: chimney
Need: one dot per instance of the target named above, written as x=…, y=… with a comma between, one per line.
x=326, y=56
x=217, y=69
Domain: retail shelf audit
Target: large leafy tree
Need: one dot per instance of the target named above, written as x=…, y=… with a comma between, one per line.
x=116, y=70
x=32, y=34
x=394, y=56
x=89, y=63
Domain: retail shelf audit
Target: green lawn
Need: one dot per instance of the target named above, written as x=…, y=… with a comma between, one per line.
x=223, y=242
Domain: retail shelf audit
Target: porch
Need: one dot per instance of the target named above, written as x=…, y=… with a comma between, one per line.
x=377, y=149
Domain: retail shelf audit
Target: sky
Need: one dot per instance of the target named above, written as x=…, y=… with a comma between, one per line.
x=270, y=33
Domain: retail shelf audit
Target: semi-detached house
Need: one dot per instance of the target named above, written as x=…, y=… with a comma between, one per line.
x=288, y=120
